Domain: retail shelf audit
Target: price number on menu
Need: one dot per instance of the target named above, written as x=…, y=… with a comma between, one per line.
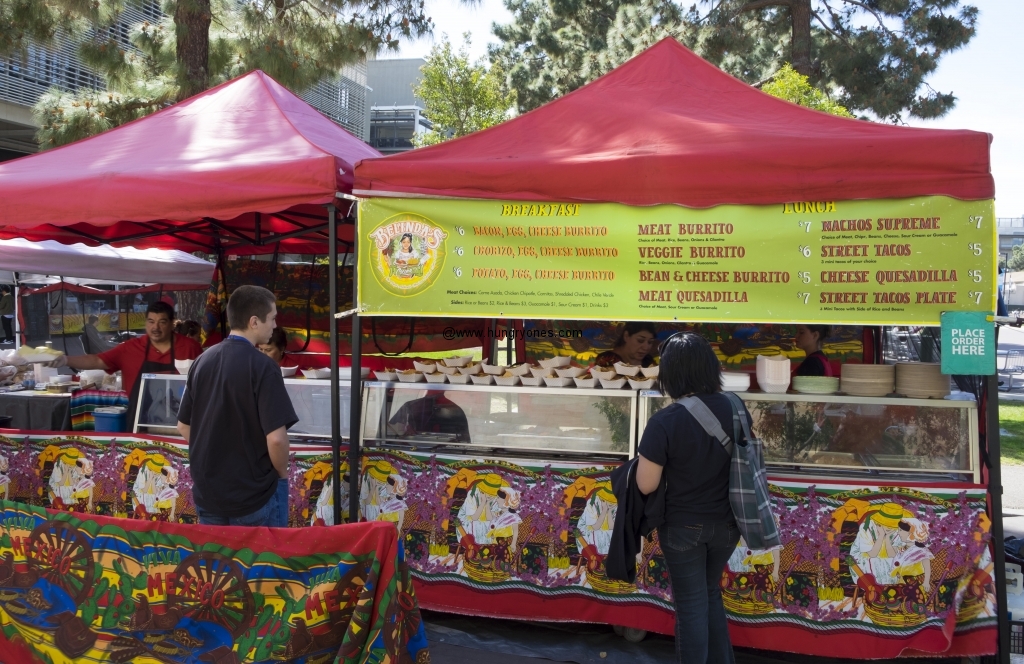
x=976, y=220
x=806, y=297
x=457, y=271
x=804, y=277
x=975, y=296
x=804, y=250
x=975, y=275
x=806, y=225
x=975, y=248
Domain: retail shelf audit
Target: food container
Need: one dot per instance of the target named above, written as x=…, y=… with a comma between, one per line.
x=451, y=371
x=558, y=382
x=626, y=369
x=587, y=380
x=556, y=362
x=59, y=388
x=386, y=375
x=650, y=372
x=540, y=372
x=436, y=377
x=345, y=373
x=493, y=369
x=570, y=372
x=288, y=371
x=921, y=380
x=183, y=366
x=735, y=381
x=469, y=370
x=410, y=376
x=520, y=369
x=458, y=379
x=773, y=373
x=531, y=381
x=815, y=384
x=457, y=361
x=91, y=377
x=868, y=380
x=507, y=381
x=602, y=374
x=613, y=384
x=644, y=384
x=485, y=379
x=425, y=367
x=316, y=373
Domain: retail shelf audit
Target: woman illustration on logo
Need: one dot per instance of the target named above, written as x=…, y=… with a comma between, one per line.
x=489, y=513
x=70, y=477
x=595, y=526
x=890, y=546
x=153, y=491
x=382, y=496
x=406, y=257
x=320, y=491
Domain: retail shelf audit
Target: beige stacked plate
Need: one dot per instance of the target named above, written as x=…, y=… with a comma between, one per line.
x=921, y=380
x=868, y=380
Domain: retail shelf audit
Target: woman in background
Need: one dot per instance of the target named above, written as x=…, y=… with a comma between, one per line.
x=810, y=339
x=190, y=329
x=632, y=347
x=275, y=348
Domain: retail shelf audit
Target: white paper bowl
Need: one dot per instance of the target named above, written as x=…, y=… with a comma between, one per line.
x=411, y=378
x=613, y=384
x=436, y=377
x=531, y=381
x=390, y=376
x=624, y=370
x=470, y=369
x=183, y=365
x=315, y=374
x=735, y=381
x=288, y=371
x=457, y=361
x=558, y=382
x=774, y=388
x=486, y=379
x=570, y=372
x=556, y=362
x=425, y=367
x=539, y=372
x=458, y=379
x=586, y=382
x=507, y=381
x=520, y=369
x=650, y=372
x=644, y=384
x=451, y=371
x=345, y=373
x=493, y=369
x=602, y=374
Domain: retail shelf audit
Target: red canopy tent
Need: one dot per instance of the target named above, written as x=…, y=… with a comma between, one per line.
x=668, y=127
x=237, y=169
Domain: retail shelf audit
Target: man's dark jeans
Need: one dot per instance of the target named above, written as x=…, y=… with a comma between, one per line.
x=274, y=514
x=696, y=556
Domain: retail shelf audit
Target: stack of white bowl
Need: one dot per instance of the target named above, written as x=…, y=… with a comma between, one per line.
x=868, y=380
x=735, y=381
x=921, y=380
x=773, y=372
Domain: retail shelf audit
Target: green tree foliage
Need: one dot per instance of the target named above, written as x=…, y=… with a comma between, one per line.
x=460, y=96
x=873, y=55
x=201, y=43
x=1016, y=261
x=791, y=85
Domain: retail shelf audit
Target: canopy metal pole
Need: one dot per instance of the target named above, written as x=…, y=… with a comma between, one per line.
x=332, y=261
x=995, y=492
x=356, y=403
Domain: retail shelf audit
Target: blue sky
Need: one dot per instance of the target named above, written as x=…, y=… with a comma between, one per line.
x=987, y=77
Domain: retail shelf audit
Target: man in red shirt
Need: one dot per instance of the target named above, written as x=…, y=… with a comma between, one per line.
x=153, y=353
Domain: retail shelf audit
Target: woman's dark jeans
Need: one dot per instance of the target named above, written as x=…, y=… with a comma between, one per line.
x=696, y=556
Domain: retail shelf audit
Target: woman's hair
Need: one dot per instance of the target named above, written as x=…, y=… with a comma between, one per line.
x=824, y=331
x=633, y=328
x=688, y=366
x=406, y=235
x=188, y=328
x=279, y=339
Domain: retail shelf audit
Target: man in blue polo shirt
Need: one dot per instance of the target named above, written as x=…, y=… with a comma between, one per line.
x=235, y=414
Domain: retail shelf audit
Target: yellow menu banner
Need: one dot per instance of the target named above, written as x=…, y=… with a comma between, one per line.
x=855, y=262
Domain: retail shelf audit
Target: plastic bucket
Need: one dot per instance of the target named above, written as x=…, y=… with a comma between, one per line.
x=110, y=422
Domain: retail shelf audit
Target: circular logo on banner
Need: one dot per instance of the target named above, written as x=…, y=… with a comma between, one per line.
x=408, y=253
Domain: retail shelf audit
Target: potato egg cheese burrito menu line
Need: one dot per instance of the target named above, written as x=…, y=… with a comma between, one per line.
x=858, y=262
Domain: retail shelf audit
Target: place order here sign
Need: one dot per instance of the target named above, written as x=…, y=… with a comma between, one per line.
x=856, y=262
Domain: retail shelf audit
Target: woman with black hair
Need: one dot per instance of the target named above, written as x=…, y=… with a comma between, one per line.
x=632, y=347
x=275, y=348
x=699, y=533
x=810, y=339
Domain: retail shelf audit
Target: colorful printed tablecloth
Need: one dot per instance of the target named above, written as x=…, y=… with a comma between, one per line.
x=894, y=569
x=96, y=589
x=84, y=402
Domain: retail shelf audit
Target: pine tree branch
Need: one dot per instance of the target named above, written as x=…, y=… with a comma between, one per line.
x=878, y=18
x=763, y=4
x=831, y=31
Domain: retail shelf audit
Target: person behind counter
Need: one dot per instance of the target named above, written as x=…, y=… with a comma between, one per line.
x=632, y=347
x=94, y=341
x=191, y=329
x=153, y=353
x=275, y=348
x=810, y=339
x=700, y=533
x=235, y=414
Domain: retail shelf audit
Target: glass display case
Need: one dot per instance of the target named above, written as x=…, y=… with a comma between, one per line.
x=531, y=420
x=858, y=436
x=160, y=396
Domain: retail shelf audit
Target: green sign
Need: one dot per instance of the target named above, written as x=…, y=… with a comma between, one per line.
x=968, y=343
x=856, y=262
